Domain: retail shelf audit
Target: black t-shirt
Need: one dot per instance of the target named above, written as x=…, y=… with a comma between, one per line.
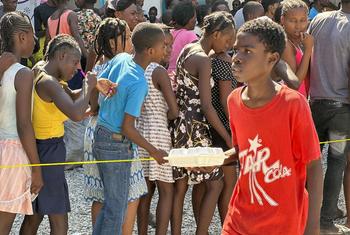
x=41, y=15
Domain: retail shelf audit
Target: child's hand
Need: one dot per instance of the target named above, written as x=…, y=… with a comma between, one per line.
x=307, y=40
x=37, y=182
x=159, y=155
x=106, y=87
x=91, y=80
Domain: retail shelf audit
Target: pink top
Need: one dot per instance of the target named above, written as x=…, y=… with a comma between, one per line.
x=182, y=37
x=304, y=87
x=64, y=25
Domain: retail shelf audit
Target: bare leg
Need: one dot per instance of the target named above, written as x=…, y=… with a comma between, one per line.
x=95, y=210
x=59, y=224
x=6, y=221
x=144, y=209
x=164, y=207
x=31, y=224
x=208, y=204
x=179, y=197
x=230, y=178
x=197, y=197
x=130, y=217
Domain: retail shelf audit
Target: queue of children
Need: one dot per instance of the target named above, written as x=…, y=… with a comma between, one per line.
x=152, y=88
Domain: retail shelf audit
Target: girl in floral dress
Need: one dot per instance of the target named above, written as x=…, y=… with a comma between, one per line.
x=191, y=129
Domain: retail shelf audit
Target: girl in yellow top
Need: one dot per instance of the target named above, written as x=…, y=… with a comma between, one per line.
x=54, y=103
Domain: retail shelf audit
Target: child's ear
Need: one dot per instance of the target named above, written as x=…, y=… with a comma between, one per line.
x=274, y=58
x=216, y=34
x=22, y=37
x=282, y=20
x=61, y=54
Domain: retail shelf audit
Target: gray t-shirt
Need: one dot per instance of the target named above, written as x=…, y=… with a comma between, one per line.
x=330, y=60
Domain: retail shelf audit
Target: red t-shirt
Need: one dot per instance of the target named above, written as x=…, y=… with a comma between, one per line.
x=275, y=143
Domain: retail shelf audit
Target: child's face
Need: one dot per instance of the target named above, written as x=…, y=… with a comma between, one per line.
x=129, y=15
x=224, y=40
x=28, y=43
x=168, y=48
x=157, y=52
x=295, y=22
x=69, y=63
x=251, y=61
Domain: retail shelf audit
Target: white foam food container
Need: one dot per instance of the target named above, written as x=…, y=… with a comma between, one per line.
x=196, y=157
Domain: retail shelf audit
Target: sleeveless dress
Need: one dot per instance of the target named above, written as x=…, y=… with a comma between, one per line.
x=191, y=128
x=15, y=196
x=93, y=185
x=153, y=126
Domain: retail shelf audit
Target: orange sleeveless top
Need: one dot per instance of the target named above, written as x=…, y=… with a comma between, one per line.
x=63, y=27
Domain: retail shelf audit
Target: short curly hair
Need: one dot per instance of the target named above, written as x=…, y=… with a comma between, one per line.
x=293, y=4
x=271, y=34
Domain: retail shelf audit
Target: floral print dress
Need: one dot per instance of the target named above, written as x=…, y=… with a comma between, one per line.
x=191, y=128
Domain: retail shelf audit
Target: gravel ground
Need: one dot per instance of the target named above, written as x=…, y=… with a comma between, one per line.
x=79, y=218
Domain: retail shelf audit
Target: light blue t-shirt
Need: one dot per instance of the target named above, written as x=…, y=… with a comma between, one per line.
x=313, y=12
x=131, y=91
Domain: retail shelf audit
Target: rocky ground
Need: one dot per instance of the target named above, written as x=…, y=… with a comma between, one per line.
x=80, y=220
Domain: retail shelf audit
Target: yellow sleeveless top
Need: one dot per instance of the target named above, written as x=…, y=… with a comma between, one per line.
x=47, y=118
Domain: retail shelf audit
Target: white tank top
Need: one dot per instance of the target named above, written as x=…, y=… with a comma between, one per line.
x=8, y=126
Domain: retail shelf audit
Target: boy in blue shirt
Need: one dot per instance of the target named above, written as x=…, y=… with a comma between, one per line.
x=116, y=124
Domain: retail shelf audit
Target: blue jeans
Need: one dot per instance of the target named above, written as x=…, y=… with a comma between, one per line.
x=332, y=121
x=115, y=178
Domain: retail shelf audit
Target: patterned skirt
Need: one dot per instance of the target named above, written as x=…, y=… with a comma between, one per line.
x=93, y=190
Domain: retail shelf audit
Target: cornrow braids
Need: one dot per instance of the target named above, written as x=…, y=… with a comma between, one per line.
x=217, y=21
x=293, y=4
x=61, y=42
x=10, y=24
x=109, y=28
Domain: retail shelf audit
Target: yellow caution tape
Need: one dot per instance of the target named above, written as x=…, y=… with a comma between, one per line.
x=112, y=161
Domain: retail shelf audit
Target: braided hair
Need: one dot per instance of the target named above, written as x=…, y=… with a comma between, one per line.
x=61, y=42
x=10, y=24
x=109, y=28
x=217, y=21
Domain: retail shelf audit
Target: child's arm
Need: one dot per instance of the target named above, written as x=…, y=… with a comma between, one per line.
x=51, y=91
x=6, y=60
x=161, y=81
x=283, y=71
x=204, y=75
x=129, y=130
x=24, y=86
x=73, y=24
x=314, y=187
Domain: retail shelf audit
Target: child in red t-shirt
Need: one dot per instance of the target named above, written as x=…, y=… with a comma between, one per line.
x=276, y=141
